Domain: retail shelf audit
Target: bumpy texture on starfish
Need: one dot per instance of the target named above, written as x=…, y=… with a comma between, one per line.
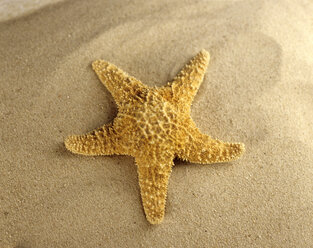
x=154, y=126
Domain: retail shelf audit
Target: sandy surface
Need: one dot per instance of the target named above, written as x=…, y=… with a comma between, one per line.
x=258, y=90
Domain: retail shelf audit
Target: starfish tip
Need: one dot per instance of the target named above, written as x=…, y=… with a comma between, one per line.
x=155, y=221
x=97, y=64
x=242, y=147
x=69, y=143
x=205, y=53
x=239, y=149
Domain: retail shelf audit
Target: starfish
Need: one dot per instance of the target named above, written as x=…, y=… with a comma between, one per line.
x=154, y=126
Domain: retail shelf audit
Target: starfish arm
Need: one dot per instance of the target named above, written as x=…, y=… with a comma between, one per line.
x=122, y=86
x=203, y=149
x=153, y=182
x=102, y=141
x=185, y=85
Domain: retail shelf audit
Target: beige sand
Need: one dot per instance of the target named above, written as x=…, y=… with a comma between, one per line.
x=258, y=90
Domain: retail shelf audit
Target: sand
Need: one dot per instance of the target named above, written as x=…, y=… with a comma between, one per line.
x=258, y=90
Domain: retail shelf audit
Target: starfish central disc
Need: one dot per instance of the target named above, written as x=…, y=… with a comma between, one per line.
x=154, y=122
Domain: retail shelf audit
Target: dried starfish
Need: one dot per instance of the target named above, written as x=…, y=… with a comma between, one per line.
x=154, y=126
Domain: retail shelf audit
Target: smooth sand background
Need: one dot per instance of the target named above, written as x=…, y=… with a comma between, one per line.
x=258, y=89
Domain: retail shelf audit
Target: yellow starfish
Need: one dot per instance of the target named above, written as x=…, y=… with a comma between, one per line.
x=154, y=126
